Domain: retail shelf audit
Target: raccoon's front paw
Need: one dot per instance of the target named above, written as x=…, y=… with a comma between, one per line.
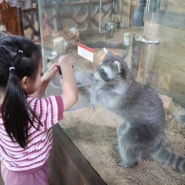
x=83, y=91
x=127, y=165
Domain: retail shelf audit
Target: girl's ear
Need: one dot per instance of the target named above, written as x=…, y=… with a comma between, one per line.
x=25, y=81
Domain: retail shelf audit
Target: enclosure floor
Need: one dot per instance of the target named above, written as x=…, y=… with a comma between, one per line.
x=94, y=133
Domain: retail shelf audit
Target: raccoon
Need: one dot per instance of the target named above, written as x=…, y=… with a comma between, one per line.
x=140, y=109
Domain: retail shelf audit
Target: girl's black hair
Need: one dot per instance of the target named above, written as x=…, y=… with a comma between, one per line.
x=19, y=57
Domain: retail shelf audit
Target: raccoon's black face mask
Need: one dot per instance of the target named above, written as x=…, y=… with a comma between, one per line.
x=109, y=69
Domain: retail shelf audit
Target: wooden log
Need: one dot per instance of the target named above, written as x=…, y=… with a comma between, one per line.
x=102, y=44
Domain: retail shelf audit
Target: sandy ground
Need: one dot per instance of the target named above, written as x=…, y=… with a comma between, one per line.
x=94, y=133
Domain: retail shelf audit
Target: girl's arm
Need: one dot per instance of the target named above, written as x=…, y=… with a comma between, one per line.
x=45, y=79
x=69, y=88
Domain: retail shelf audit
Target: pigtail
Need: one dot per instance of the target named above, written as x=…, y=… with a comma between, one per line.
x=13, y=108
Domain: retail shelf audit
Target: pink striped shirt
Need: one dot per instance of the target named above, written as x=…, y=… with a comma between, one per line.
x=14, y=157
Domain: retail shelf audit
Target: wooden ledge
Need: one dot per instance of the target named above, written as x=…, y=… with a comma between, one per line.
x=67, y=165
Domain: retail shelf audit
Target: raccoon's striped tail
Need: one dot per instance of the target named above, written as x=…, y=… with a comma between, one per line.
x=177, y=163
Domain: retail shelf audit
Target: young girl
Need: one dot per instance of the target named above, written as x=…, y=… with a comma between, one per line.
x=25, y=117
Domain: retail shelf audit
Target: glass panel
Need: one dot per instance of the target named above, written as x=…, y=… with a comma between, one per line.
x=164, y=67
x=83, y=28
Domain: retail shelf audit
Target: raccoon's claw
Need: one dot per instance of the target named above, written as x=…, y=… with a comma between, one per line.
x=122, y=164
x=130, y=165
x=116, y=147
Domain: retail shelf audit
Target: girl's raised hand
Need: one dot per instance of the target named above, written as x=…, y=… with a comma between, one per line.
x=66, y=61
x=50, y=73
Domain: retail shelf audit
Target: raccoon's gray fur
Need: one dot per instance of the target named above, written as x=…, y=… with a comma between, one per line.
x=140, y=133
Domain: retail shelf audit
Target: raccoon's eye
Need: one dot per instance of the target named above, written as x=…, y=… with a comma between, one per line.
x=101, y=71
x=103, y=75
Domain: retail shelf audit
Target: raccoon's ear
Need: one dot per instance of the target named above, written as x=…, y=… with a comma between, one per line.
x=105, y=51
x=117, y=66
